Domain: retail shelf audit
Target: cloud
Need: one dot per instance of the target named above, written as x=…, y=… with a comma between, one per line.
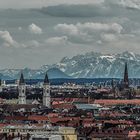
x=32, y=44
x=88, y=27
x=40, y=3
x=20, y=28
x=109, y=37
x=109, y=26
x=76, y=10
x=56, y=2
x=56, y=41
x=105, y=9
x=34, y=29
x=134, y=4
x=67, y=28
x=89, y=31
x=6, y=39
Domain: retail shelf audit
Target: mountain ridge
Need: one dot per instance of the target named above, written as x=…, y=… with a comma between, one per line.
x=89, y=65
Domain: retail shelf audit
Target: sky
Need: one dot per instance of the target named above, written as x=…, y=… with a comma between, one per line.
x=41, y=3
x=32, y=36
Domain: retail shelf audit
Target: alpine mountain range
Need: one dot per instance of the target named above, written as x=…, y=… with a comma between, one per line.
x=89, y=65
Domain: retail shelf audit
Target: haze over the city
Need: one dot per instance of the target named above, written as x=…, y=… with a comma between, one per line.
x=31, y=36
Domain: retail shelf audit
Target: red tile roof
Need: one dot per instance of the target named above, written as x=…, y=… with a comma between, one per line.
x=38, y=118
x=63, y=106
x=17, y=118
x=53, y=115
x=118, y=122
x=52, y=119
x=133, y=133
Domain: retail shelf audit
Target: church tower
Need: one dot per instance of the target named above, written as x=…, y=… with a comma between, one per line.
x=1, y=85
x=126, y=80
x=22, y=90
x=46, y=92
x=112, y=84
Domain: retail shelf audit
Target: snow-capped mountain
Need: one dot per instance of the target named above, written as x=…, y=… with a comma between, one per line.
x=97, y=65
x=89, y=65
x=53, y=73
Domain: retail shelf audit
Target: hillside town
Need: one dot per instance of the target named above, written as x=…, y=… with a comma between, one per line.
x=69, y=111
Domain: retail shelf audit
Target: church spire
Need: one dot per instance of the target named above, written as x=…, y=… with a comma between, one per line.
x=126, y=80
x=46, y=92
x=46, y=80
x=22, y=90
x=0, y=82
x=21, y=81
x=112, y=83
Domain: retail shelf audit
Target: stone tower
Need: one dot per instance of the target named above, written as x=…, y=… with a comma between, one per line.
x=22, y=90
x=1, y=85
x=126, y=80
x=46, y=92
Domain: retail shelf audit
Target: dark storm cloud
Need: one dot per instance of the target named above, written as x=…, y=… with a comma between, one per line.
x=89, y=10
x=75, y=11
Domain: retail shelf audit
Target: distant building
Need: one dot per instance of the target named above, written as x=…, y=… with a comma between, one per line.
x=46, y=92
x=46, y=137
x=126, y=80
x=22, y=90
x=40, y=133
x=0, y=85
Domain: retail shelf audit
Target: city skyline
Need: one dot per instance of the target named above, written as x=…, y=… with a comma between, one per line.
x=69, y=70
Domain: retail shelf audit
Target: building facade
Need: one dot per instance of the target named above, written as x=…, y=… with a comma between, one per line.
x=46, y=92
x=22, y=90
